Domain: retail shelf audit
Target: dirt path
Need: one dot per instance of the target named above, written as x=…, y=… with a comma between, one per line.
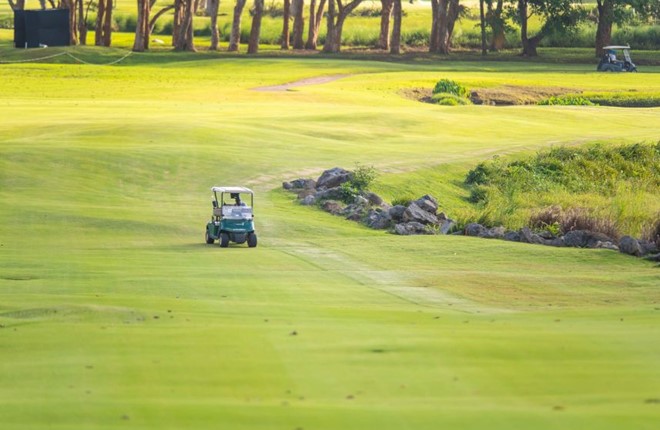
x=302, y=83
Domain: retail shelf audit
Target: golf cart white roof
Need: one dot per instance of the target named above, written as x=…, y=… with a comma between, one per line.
x=616, y=47
x=232, y=190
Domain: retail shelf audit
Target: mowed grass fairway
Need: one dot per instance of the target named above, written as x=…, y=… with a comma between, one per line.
x=115, y=314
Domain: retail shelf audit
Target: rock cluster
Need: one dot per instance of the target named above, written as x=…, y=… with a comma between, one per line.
x=422, y=217
x=418, y=217
x=576, y=239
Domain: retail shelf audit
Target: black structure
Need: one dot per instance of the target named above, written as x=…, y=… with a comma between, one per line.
x=33, y=28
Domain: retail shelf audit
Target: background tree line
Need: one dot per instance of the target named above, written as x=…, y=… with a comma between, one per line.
x=302, y=21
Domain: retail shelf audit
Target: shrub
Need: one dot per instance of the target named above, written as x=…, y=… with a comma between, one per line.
x=447, y=99
x=451, y=87
x=567, y=100
x=362, y=178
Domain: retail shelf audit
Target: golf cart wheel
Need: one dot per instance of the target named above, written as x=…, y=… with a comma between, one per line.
x=224, y=240
x=209, y=240
x=252, y=240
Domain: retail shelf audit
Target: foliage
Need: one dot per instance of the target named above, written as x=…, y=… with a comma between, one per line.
x=623, y=174
x=447, y=99
x=359, y=182
x=558, y=221
x=402, y=201
x=451, y=87
x=568, y=100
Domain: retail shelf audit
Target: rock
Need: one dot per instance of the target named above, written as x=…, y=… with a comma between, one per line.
x=584, y=238
x=287, y=185
x=512, y=236
x=557, y=241
x=546, y=235
x=495, y=233
x=373, y=198
x=653, y=257
x=354, y=212
x=329, y=194
x=414, y=213
x=409, y=228
x=527, y=236
x=304, y=193
x=648, y=247
x=359, y=200
x=396, y=212
x=441, y=216
x=308, y=201
x=446, y=225
x=378, y=219
x=332, y=207
x=474, y=229
x=428, y=203
x=630, y=245
x=332, y=178
x=606, y=245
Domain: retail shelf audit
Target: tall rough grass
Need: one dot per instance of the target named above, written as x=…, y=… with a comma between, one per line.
x=613, y=189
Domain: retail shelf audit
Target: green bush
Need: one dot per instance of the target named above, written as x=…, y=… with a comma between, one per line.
x=567, y=100
x=446, y=99
x=451, y=87
x=631, y=99
x=402, y=201
x=362, y=178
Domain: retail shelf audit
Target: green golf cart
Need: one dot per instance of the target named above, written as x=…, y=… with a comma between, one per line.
x=232, y=219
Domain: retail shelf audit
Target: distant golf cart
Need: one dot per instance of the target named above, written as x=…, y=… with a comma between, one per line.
x=609, y=62
x=232, y=219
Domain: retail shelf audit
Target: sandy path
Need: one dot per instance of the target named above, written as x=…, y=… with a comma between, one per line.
x=302, y=83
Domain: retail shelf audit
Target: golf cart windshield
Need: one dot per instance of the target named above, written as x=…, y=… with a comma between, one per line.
x=233, y=202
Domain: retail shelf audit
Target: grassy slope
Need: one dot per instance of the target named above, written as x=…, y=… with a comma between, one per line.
x=104, y=176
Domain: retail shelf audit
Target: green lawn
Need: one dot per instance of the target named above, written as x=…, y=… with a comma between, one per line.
x=115, y=314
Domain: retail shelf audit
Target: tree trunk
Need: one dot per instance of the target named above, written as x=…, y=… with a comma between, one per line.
x=17, y=5
x=336, y=18
x=235, y=38
x=82, y=24
x=529, y=44
x=452, y=16
x=107, y=25
x=176, y=20
x=142, y=8
x=63, y=4
x=445, y=13
x=604, y=30
x=482, y=24
x=285, y=25
x=315, y=20
x=212, y=7
x=255, y=31
x=434, y=40
x=497, y=24
x=395, y=41
x=185, y=37
x=98, y=28
x=385, y=15
x=298, y=24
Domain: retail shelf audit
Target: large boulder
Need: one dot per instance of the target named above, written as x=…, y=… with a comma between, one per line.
x=409, y=228
x=355, y=212
x=378, y=219
x=528, y=236
x=475, y=229
x=630, y=245
x=308, y=200
x=332, y=207
x=414, y=213
x=512, y=236
x=495, y=233
x=427, y=203
x=373, y=198
x=396, y=212
x=329, y=194
x=333, y=178
x=584, y=238
x=446, y=225
x=648, y=247
x=307, y=184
